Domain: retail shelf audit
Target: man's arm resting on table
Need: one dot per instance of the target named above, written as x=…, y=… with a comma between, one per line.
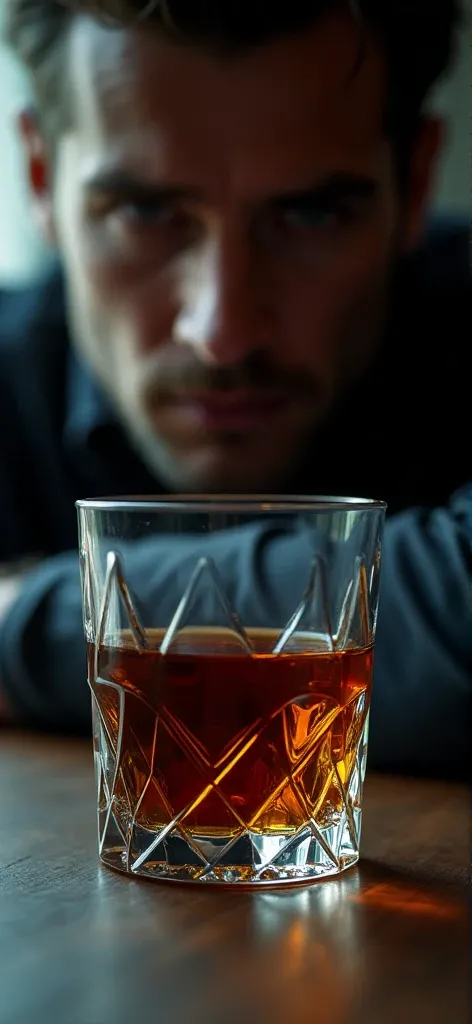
x=423, y=668
x=10, y=586
x=422, y=696
x=42, y=651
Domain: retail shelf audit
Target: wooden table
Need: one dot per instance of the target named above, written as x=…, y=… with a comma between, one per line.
x=387, y=943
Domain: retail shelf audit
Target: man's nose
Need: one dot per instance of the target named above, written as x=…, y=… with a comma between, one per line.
x=222, y=314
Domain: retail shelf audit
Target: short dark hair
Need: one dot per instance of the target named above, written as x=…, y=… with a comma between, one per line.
x=417, y=37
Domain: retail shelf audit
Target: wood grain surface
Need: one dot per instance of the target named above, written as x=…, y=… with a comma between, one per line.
x=387, y=943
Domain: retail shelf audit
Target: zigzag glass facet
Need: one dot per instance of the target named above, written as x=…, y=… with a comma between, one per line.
x=230, y=653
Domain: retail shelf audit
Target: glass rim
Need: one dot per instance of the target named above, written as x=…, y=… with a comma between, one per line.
x=228, y=503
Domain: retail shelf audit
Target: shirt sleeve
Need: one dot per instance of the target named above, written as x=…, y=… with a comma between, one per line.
x=42, y=650
x=420, y=716
x=422, y=694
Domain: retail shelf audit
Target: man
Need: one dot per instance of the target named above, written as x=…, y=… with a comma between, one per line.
x=239, y=196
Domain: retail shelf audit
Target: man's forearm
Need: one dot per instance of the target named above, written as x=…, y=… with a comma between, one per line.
x=42, y=651
x=422, y=696
x=9, y=588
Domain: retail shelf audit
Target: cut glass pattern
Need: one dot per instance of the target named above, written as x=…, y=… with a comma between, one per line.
x=316, y=802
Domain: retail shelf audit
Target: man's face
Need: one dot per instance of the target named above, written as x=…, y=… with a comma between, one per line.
x=227, y=228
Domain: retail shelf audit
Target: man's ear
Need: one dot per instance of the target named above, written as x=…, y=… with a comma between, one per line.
x=39, y=174
x=423, y=167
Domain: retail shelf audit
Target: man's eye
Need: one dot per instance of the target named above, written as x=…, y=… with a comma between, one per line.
x=146, y=214
x=315, y=215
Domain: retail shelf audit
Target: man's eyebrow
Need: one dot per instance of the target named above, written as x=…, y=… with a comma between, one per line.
x=336, y=188
x=123, y=185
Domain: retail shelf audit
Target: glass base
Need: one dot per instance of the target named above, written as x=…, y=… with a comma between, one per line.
x=251, y=860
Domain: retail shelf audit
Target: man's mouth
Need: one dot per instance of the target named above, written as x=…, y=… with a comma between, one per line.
x=233, y=411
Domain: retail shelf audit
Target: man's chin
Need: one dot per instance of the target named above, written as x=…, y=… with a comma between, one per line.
x=212, y=472
x=217, y=467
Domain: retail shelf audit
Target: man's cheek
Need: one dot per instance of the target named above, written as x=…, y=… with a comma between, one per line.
x=106, y=291
x=111, y=280
x=312, y=331
x=344, y=327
